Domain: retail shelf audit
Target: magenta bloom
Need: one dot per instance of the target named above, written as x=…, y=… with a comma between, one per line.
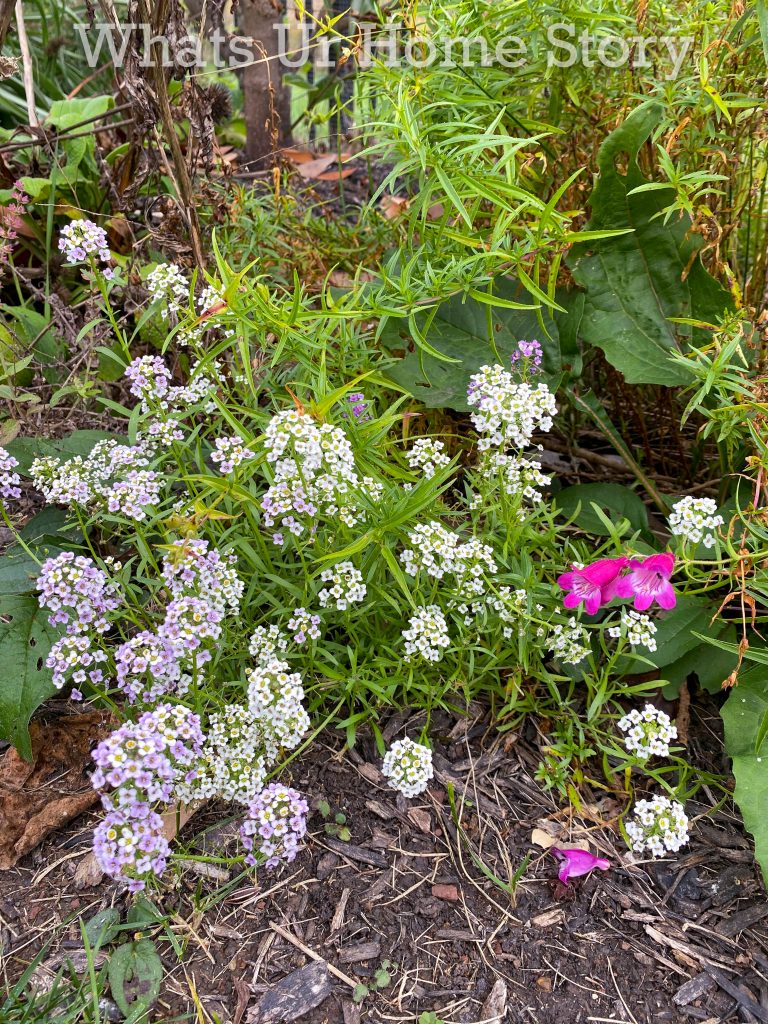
x=595, y=584
x=577, y=862
x=649, y=581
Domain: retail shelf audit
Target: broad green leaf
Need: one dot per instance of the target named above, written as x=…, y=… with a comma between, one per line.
x=66, y=113
x=743, y=716
x=460, y=331
x=102, y=928
x=616, y=501
x=25, y=640
x=135, y=974
x=634, y=283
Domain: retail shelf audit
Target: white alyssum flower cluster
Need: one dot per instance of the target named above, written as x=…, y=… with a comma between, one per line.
x=695, y=520
x=427, y=634
x=441, y=553
x=639, y=629
x=659, y=825
x=314, y=475
x=428, y=455
x=507, y=412
x=306, y=624
x=347, y=587
x=168, y=284
x=569, y=643
x=648, y=733
x=276, y=701
x=266, y=642
x=408, y=766
x=519, y=478
x=232, y=765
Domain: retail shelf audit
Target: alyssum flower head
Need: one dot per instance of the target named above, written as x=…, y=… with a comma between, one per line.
x=427, y=634
x=507, y=413
x=695, y=520
x=658, y=825
x=78, y=594
x=408, y=766
x=648, y=732
x=9, y=479
x=275, y=826
x=81, y=240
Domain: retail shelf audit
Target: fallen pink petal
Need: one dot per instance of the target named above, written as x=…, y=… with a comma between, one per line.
x=577, y=862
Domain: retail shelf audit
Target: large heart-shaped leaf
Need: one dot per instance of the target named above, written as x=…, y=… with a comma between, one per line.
x=636, y=282
x=745, y=717
x=472, y=334
x=25, y=640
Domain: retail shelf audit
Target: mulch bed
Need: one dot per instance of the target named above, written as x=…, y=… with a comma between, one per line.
x=677, y=940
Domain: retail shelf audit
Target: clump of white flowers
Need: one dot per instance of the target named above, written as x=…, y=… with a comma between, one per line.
x=440, y=553
x=9, y=479
x=507, y=412
x=427, y=634
x=275, y=700
x=168, y=284
x=232, y=765
x=306, y=624
x=659, y=825
x=695, y=520
x=408, y=766
x=428, y=455
x=518, y=478
x=266, y=642
x=114, y=477
x=347, y=587
x=569, y=643
x=648, y=733
x=639, y=629
x=315, y=478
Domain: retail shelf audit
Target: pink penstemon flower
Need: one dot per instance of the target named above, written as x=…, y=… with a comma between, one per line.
x=649, y=581
x=577, y=862
x=596, y=584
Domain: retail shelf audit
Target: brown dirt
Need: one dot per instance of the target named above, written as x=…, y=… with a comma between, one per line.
x=616, y=946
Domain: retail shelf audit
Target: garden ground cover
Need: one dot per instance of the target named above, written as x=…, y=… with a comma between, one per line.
x=670, y=942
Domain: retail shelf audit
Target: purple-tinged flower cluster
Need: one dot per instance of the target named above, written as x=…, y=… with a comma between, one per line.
x=275, y=826
x=230, y=453
x=9, y=480
x=307, y=626
x=145, y=760
x=78, y=594
x=164, y=432
x=359, y=405
x=191, y=569
x=188, y=621
x=150, y=382
x=138, y=490
x=527, y=356
x=147, y=668
x=129, y=843
x=83, y=241
x=10, y=220
x=139, y=766
x=74, y=657
x=113, y=477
